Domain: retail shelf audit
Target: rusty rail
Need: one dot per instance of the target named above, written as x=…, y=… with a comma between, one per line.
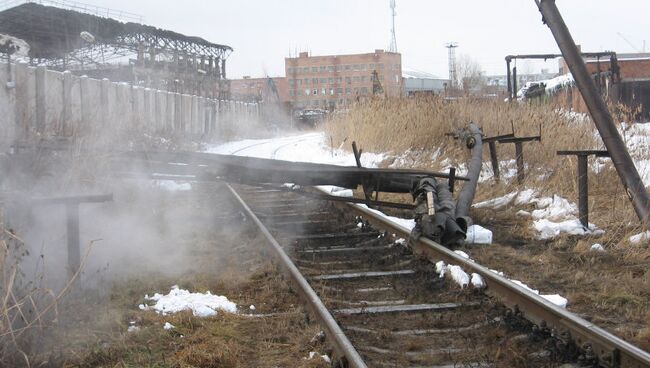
x=611, y=350
x=335, y=334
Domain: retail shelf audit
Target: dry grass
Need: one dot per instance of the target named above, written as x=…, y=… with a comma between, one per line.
x=612, y=288
x=414, y=129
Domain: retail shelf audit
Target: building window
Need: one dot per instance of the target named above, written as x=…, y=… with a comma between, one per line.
x=292, y=93
x=364, y=66
x=371, y=66
x=314, y=69
x=356, y=79
x=292, y=82
x=347, y=67
x=323, y=68
x=348, y=80
x=299, y=82
x=314, y=91
x=363, y=78
x=338, y=68
x=330, y=80
x=307, y=92
x=331, y=91
x=314, y=81
x=339, y=80
x=364, y=90
x=315, y=103
x=330, y=68
x=348, y=90
x=305, y=81
x=381, y=66
x=356, y=67
x=339, y=90
x=356, y=91
x=323, y=91
x=305, y=69
x=323, y=80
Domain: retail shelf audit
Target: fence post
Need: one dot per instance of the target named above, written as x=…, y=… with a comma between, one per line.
x=64, y=126
x=40, y=98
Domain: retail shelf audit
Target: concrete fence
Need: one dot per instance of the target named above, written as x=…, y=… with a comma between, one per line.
x=36, y=103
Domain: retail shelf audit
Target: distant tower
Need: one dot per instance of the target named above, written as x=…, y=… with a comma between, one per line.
x=393, y=40
x=453, y=78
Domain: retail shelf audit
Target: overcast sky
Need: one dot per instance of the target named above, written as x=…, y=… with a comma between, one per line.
x=264, y=32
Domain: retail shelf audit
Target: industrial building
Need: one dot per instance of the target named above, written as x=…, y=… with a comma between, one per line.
x=88, y=41
x=624, y=79
x=419, y=83
x=336, y=81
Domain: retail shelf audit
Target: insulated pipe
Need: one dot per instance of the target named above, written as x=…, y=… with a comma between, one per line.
x=466, y=196
x=598, y=109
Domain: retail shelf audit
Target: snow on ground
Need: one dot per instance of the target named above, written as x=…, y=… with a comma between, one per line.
x=311, y=147
x=172, y=185
x=552, y=217
x=553, y=298
x=638, y=238
x=477, y=234
x=201, y=304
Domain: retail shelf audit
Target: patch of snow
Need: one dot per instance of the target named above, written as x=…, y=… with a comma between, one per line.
x=172, y=185
x=549, y=229
x=133, y=329
x=597, y=248
x=553, y=298
x=252, y=307
x=558, y=208
x=441, y=267
x=313, y=354
x=638, y=238
x=407, y=223
x=525, y=196
x=337, y=191
x=458, y=275
x=498, y=202
x=168, y=326
x=462, y=254
x=523, y=213
x=400, y=241
x=477, y=281
x=201, y=304
x=477, y=234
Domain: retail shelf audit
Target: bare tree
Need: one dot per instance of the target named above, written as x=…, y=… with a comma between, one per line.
x=470, y=74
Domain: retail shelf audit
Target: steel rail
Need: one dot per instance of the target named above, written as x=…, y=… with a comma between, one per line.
x=335, y=334
x=609, y=348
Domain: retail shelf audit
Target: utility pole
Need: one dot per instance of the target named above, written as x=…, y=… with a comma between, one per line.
x=453, y=76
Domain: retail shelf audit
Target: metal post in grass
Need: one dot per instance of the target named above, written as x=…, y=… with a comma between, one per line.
x=583, y=181
x=519, y=152
x=598, y=110
x=72, y=204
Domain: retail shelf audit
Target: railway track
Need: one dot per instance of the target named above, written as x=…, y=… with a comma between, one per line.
x=384, y=305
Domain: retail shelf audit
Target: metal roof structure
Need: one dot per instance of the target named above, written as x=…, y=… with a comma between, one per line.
x=58, y=35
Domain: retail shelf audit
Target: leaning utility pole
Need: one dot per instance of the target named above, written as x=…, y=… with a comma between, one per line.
x=598, y=110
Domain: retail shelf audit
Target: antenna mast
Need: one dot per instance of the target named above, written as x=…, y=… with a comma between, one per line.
x=453, y=78
x=393, y=40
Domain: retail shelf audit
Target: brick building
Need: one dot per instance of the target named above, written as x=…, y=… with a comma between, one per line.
x=268, y=89
x=339, y=80
x=633, y=88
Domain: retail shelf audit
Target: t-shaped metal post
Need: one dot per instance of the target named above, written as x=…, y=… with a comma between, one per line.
x=583, y=181
x=72, y=223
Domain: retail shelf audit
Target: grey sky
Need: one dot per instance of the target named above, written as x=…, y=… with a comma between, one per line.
x=263, y=32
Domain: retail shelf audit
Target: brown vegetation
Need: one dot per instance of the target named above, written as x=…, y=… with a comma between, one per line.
x=610, y=288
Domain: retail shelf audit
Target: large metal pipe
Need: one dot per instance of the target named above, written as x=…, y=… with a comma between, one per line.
x=598, y=109
x=466, y=196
